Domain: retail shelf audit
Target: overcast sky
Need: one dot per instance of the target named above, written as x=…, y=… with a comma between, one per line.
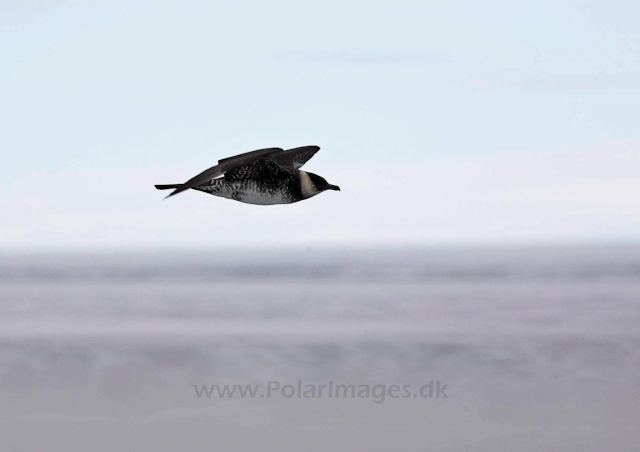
x=442, y=122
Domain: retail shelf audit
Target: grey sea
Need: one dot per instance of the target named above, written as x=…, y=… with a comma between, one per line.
x=412, y=349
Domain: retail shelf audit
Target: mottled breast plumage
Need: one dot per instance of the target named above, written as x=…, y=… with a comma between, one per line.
x=261, y=182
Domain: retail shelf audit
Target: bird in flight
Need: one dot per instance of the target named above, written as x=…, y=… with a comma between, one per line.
x=264, y=177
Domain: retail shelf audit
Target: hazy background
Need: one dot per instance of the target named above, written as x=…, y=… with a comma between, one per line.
x=475, y=122
x=487, y=234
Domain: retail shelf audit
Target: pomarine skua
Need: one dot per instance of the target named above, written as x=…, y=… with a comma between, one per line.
x=264, y=177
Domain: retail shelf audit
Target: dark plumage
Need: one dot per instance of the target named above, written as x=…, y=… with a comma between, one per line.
x=266, y=176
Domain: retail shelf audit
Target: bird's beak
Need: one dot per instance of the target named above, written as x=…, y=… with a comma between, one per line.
x=333, y=187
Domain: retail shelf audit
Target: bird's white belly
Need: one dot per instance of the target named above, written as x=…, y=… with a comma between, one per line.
x=248, y=193
x=261, y=198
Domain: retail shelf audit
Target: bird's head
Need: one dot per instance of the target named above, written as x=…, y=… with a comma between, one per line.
x=312, y=184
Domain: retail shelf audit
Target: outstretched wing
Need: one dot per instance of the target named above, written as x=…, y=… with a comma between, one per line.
x=225, y=165
x=295, y=157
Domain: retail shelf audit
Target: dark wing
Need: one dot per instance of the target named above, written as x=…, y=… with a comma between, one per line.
x=296, y=157
x=241, y=159
x=224, y=166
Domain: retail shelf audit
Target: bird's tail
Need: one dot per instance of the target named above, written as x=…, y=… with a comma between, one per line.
x=167, y=187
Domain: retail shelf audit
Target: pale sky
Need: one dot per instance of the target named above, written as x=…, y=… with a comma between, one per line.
x=442, y=122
